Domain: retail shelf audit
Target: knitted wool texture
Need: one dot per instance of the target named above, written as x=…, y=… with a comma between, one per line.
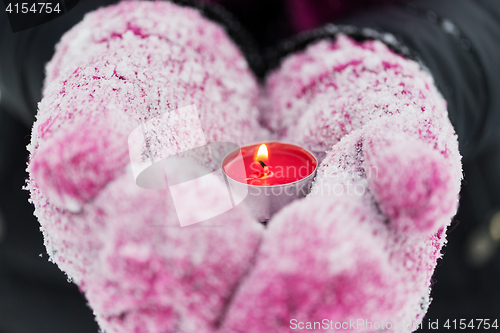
x=362, y=245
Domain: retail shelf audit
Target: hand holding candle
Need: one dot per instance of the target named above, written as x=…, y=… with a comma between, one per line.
x=336, y=257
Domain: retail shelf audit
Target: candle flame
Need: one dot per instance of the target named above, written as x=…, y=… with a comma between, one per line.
x=262, y=153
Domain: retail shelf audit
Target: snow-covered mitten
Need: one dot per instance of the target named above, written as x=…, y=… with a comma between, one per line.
x=358, y=253
x=121, y=244
x=361, y=246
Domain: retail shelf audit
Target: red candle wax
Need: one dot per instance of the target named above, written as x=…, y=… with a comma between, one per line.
x=286, y=163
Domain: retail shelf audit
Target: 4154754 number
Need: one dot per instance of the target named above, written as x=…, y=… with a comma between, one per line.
x=478, y=324
x=37, y=8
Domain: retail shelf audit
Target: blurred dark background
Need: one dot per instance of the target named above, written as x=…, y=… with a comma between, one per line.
x=36, y=297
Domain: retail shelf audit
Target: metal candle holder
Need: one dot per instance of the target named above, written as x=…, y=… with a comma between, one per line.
x=265, y=201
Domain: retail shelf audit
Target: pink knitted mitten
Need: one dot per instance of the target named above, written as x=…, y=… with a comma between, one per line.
x=361, y=247
x=121, y=65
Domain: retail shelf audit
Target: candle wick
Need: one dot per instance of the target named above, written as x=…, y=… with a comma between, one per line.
x=266, y=168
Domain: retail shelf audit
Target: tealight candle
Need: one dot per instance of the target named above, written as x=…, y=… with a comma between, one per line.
x=276, y=173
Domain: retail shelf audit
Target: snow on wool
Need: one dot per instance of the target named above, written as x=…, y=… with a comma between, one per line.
x=362, y=245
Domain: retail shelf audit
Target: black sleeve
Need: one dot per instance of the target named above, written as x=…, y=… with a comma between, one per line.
x=23, y=56
x=34, y=294
x=459, y=41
